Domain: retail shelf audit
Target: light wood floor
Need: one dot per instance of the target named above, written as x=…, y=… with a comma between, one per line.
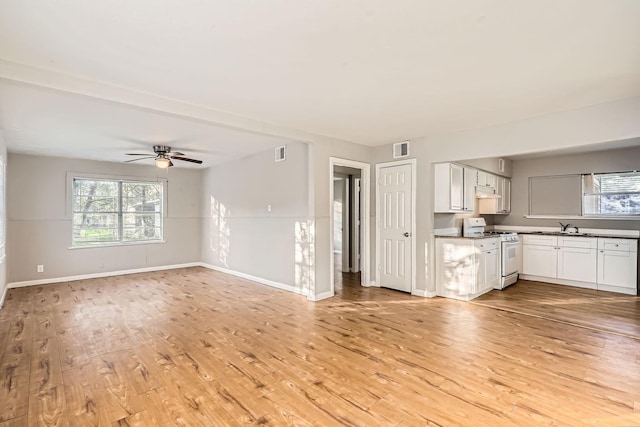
x=195, y=347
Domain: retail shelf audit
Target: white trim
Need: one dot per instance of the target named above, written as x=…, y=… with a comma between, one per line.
x=4, y=295
x=260, y=280
x=319, y=297
x=423, y=293
x=98, y=275
x=414, y=184
x=586, y=285
x=115, y=245
x=365, y=262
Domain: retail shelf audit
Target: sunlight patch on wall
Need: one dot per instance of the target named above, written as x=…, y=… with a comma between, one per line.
x=219, y=232
x=304, y=256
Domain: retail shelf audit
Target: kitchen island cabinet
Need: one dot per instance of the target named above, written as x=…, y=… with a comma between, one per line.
x=466, y=267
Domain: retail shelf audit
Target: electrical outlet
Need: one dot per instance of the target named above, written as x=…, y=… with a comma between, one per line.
x=40, y=268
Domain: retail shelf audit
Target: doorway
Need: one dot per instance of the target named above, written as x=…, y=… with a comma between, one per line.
x=349, y=224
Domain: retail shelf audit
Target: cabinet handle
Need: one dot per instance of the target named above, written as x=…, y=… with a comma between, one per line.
x=616, y=245
x=601, y=252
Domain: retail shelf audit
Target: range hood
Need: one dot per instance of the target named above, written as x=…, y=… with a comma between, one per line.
x=486, y=193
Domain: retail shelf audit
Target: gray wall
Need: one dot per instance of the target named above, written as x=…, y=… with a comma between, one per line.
x=39, y=224
x=238, y=231
x=599, y=161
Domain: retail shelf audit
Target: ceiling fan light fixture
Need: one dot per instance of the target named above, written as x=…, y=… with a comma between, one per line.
x=163, y=162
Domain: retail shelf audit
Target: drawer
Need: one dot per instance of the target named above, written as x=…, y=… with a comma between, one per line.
x=539, y=239
x=625, y=245
x=578, y=242
x=486, y=244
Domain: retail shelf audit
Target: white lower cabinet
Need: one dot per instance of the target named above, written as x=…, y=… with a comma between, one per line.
x=577, y=258
x=597, y=263
x=539, y=255
x=618, y=265
x=466, y=268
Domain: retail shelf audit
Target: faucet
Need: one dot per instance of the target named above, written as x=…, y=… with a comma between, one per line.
x=564, y=227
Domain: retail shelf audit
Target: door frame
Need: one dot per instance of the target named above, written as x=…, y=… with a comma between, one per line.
x=413, y=164
x=365, y=232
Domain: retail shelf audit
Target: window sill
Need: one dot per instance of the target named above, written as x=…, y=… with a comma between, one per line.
x=115, y=245
x=612, y=218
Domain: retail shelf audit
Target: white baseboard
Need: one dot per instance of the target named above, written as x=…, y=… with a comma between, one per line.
x=321, y=296
x=4, y=294
x=555, y=281
x=423, y=293
x=267, y=282
x=98, y=275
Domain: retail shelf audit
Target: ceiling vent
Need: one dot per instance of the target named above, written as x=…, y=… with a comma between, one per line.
x=281, y=153
x=400, y=149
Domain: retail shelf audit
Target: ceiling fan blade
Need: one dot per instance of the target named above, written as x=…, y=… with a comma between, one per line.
x=136, y=154
x=139, y=158
x=186, y=159
x=170, y=163
x=174, y=153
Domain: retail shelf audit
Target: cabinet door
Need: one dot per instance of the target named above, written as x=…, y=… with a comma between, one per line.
x=456, y=187
x=503, y=189
x=617, y=268
x=539, y=260
x=492, y=269
x=470, y=177
x=577, y=264
x=491, y=180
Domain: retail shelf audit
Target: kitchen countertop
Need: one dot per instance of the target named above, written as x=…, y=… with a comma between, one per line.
x=559, y=233
x=457, y=236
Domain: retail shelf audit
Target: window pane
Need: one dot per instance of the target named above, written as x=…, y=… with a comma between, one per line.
x=611, y=194
x=612, y=204
x=142, y=226
x=95, y=228
x=95, y=204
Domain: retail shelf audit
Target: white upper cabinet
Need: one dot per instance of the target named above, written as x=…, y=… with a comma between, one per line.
x=454, y=188
x=503, y=189
x=486, y=179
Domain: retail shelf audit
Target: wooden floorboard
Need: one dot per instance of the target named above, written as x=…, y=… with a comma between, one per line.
x=194, y=347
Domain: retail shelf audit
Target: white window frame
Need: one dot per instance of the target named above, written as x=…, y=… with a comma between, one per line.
x=71, y=176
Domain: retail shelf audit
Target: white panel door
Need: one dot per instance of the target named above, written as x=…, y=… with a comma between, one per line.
x=395, y=227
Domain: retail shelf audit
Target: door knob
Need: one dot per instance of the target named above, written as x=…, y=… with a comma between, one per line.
x=406, y=234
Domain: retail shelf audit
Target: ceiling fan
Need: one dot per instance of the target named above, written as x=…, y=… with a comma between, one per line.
x=163, y=156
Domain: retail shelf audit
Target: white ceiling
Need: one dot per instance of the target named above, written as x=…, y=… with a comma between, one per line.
x=366, y=71
x=40, y=121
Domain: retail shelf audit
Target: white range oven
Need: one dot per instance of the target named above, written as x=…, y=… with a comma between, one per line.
x=510, y=257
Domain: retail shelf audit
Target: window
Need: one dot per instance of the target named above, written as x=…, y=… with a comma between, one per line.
x=108, y=211
x=614, y=194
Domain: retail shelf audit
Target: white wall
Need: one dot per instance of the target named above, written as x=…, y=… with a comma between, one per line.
x=39, y=223
x=241, y=234
x=3, y=220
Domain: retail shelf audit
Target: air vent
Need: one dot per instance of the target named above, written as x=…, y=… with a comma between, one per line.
x=400, y=149
x=501, y=165
x=281, y=153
